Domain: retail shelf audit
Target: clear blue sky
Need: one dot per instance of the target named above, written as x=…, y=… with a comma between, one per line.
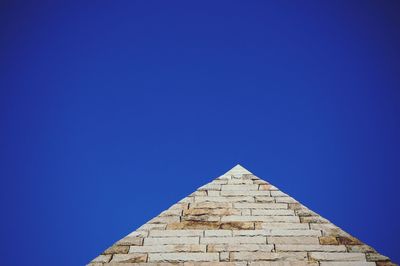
x=112, y=111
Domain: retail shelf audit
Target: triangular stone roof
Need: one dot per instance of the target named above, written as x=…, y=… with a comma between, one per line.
x=239, y=219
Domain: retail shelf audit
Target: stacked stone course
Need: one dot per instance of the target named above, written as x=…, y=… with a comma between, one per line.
x=239, y=219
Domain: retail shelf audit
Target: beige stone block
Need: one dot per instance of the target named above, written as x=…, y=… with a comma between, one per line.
x=233, y=240
x=297, y=240
x=183, y=257
x=213, y=193
x=283, y=263
x=194, y=225
x=175, y=233
x=130, y=241
x=336, y=256
x=259, y=205
x=240, y=218
x=256, y=256
x=224, y=199
x=346, y=263
x=221, y=232
x=237, y=225
x=293, y=226
x=327, y=248
x=273, y=212
x=102, y=259
x=129, y=258
x=219, y=212
x=168, y=248
x=239, y=247
x=239, y=187
x=224, y=256
x=170, y=240
x=211, y=205
x=253, y=193
x=266, y=199
x=117, y=249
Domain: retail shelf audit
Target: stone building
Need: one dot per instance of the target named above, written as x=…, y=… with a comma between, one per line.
x=239, y=219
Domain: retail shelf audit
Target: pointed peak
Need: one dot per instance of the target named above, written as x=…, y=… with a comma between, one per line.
x=237, y=171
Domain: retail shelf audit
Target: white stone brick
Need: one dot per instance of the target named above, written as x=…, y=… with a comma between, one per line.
x=240, y=181
x=278, y=193
x=255, y=256
x=171, y=240
x=297, y=240
x=276, y=212
x=233, y=240
x=167, y=248
x=333, y=256
x=183, y=257
x=276, y=232
x=239, y=247
x=239, y=187
x=211, y=186
x=346, y=263
x=259, y=205
x=246, y=193
x=213, y=193
x=175, y=233
x=224, y=256
x=239, y=218
x=285, y=200
x=102, y=258
x=294, y=226
x=164, y=220
x=327, y=248
x=224, y=199
x=217, y=233
x=283, y=263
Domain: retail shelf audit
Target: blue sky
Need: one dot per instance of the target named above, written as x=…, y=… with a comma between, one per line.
x=112, y=111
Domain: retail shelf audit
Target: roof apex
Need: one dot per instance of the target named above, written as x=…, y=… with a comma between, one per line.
x=238, y=170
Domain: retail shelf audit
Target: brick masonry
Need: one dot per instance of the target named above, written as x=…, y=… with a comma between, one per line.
x=239, y=219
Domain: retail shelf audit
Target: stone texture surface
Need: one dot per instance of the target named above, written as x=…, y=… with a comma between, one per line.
x=239, y=219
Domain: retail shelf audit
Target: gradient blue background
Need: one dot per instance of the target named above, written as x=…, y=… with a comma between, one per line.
x=114, y=110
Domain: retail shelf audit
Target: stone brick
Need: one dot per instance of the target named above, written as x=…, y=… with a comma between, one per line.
x=245, y=193
x=348, y=240
x=360, y=248
x=376, y=257
x=218, y=212
x=285, y=200
x=129, y=258
x=217, y=233
x=233, y=240
x=260, y=205
x=278, y=193
x=224, y=256
x=239, y=218
x=213, y=193
x=171, y=240
x=164, y=220
x=265, y=187
x=297, y=240
x=256, y=256
x=183, y=257
x=211, y=205
x=239, y=247
x=175, y=233
x=337, y=256
x=346, y=263
x=327, y=248
x=224, y=199
x=130, y=241
x=168, y=248
x=274, y=212
x=294, y=226
x=102, y=259
x=328, y=240
x=313, y=219
x=208, y=218
x=239, y=187
x=284, y=263
x=210, y=186
x=117, y=249
x=277, y=232
x=237, y=225
x=264, y=199
x=194, y=225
